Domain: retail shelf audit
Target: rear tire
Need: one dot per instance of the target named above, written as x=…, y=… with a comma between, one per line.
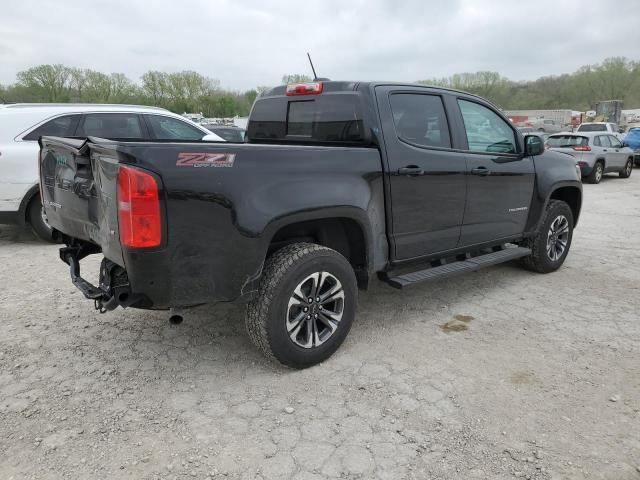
x=304, y=288
x=550, y=245
x=596, y=174
x=628, y=168
x=38, y=221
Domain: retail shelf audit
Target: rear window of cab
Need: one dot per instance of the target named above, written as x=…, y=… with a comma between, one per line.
x=332, y=118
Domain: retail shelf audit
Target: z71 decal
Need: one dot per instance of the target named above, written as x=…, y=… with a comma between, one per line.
x=205, y=160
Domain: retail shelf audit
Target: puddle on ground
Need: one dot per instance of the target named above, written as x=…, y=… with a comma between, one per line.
x=521, y=378
x=458, y=324
x=454, y=327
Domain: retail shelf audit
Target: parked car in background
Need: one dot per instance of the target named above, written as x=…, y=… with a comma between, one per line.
x=547, y=125
x=230, y=133
x=603, y=127
x=525, y=130
x=530, y=131
x=595, y=153
x=542, y=135
x=632, y=140
x=21, y=125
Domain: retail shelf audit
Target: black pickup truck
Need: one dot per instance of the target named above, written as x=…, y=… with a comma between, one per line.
x=337, y=183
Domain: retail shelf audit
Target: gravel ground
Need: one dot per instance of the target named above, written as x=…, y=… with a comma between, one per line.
x=495, y=375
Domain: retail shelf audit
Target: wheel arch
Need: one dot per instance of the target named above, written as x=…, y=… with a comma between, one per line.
x=572, y=196
x=346, y=230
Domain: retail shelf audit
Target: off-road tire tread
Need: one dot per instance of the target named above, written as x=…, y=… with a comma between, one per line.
x=534, y=261
x=275, y=269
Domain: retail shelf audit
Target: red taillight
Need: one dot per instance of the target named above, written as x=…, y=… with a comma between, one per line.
x=139, y=217
x=582, y=148
x=313, y=88
x=546, y=146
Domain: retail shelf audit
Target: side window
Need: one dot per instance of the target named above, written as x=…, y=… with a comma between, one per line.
x=604, y=141
x=169, y=128
x=597, y=142
x=486, y=131
x=420, y=119
x=111, y=125
x=615, y=143
x=64, y=126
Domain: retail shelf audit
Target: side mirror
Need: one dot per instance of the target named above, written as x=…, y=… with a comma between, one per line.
x=533, y=146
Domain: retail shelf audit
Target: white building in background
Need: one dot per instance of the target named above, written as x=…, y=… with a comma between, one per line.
x=631, y=116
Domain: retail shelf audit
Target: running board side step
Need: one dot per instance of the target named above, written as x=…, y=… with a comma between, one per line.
x=456, y=268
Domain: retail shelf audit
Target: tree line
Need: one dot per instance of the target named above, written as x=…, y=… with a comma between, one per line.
x=180, y=92
x=188, y=91
x=616, y=78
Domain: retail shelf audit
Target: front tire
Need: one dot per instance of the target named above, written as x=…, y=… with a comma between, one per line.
x=550, y=245
x=305, y=306
x=628, y=168
x=596, y=174
x=38, y=221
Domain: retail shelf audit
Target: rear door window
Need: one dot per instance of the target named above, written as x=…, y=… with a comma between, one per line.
x=604, y=140
x=486, y=130
x=111, y=125
x=420, y=119
x=64, y=126
x=169, y=128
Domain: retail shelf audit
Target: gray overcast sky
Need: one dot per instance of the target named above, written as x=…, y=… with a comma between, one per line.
x=245, y=43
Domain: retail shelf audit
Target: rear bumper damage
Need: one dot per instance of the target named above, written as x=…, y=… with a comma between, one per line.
x=114, y=288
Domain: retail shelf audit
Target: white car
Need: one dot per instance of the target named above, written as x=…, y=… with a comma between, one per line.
x=600, y=127
x=21, y=125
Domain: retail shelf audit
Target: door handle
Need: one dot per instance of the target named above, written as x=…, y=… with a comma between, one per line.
x=604, y=149
x=482, y=171
x=411, y=171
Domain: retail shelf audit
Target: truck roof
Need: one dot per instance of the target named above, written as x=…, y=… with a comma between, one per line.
x=322, y=112
x=344, y=85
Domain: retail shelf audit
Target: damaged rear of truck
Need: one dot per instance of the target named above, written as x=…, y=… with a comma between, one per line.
x=183, y=224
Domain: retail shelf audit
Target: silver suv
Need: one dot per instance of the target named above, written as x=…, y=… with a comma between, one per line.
x=596, y=153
